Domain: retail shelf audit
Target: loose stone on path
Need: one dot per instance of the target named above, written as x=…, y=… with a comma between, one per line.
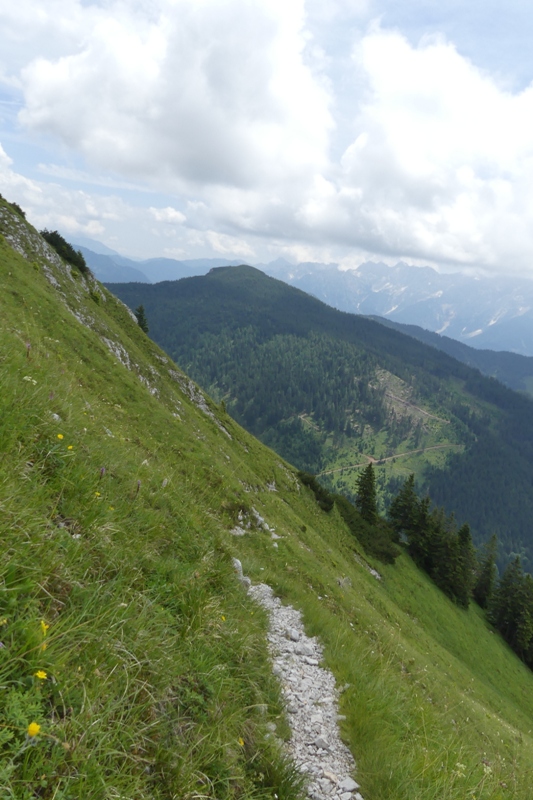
x=311, y=701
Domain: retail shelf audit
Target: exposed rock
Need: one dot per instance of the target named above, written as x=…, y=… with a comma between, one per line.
x=311, y=702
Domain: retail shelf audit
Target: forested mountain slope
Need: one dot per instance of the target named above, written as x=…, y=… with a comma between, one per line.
x=132, y=662
x=330, y=390
x=512, y=369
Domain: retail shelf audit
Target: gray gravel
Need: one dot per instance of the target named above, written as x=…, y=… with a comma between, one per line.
x=311, y=701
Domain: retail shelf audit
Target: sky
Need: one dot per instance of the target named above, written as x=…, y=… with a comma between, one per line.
x=313, y=130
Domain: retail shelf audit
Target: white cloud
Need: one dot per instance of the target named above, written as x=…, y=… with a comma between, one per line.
x=227, y=109
x=169, y=215
x=442, y=163
x=199, y=93
x=229, y=245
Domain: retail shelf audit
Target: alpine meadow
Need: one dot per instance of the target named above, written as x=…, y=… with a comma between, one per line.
x=331, y=391
x=133, y=662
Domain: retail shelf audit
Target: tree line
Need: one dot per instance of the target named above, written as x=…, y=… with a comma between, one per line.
x=441, y=549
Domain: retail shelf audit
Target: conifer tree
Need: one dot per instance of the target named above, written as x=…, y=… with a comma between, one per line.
x=419, y=536
x=466, y=566
x=141, y=318
x=506, y=609
x=404, y=508
x=366, y=502
x=486, y=574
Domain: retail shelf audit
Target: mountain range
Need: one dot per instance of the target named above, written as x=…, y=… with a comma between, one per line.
x=133, y=661
x=331, y=390
x=491, y=313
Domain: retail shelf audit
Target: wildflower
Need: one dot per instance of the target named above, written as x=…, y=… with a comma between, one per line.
x=33, y=729
x=29, y=379
x=41, y=674
x=3, y=621
x=97, y=494
x=102, y=472
x=44, y=627
x=60, y=436
x=223, y=618
x=43, y=646
x=70, y=447
x=460, y=770
x=241, y=741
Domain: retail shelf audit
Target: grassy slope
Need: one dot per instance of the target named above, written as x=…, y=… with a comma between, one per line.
x=238, y=298
x=157, y=677
x=260, y=344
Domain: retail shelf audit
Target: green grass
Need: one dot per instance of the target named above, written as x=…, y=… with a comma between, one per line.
x=117, y=496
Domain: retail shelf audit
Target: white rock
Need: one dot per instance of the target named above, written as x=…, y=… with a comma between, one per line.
x=311, y=700
x=348, y=785
x=321, y=742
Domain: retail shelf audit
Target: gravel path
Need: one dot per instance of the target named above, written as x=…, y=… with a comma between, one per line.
x=311, y=701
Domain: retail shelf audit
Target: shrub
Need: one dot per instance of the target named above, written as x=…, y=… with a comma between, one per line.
x=65, y=250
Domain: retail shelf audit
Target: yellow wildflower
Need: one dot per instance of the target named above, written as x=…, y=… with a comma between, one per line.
x=241, y=741
x=41, y=674
x=3, y=621
x=60, y=436
x=44, y=627
x=70, y=447
x=223, y=618
x=97, y=494
x=33, y=729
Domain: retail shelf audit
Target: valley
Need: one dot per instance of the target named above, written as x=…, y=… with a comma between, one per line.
x=133, y=661
x=329, y=390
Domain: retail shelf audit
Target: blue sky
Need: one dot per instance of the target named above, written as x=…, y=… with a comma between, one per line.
x=340, y=131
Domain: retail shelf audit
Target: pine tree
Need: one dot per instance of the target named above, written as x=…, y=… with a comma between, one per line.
x=466, y=566
x=419, y=535
x=404, y=509
x=141, y=318
x=486, y=574
x=505, y=606
x=366, y=502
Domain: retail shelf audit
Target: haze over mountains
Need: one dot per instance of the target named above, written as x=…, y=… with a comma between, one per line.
x=494, y=313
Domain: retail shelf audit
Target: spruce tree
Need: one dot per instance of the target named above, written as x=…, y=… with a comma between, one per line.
x=404, y=509
x=366, y=502
x=141, y=318
x=505, y=609
x=419, y=535
x=511, y=609
x=486, y=574
x=466, y=566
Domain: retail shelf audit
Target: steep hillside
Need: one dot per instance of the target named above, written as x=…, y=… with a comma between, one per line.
x=132, y=662
x=512, y=369
x=331, y=391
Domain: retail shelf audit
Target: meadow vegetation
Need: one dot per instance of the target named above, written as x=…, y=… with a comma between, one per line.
x=132, y=662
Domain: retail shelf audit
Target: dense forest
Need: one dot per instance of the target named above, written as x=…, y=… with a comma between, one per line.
x=512, y=369
x=329, y=390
